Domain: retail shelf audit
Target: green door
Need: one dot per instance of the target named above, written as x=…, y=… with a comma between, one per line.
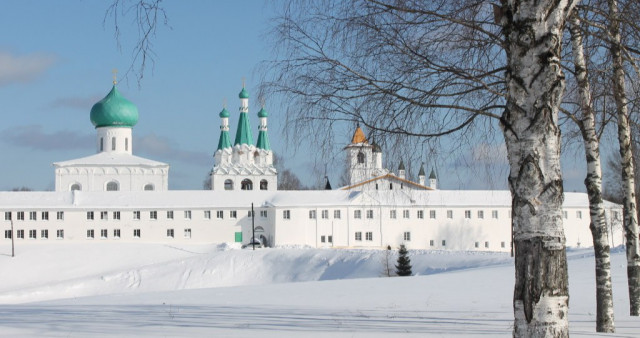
x=238, y=237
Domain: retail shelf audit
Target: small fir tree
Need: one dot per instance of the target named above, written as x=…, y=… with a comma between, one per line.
x=403, y=268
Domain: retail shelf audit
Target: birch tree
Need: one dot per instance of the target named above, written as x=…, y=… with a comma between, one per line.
x=630, y=222
x=586, y=122
x=428, y=69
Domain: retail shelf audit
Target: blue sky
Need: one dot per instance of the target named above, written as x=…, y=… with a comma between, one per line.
x=56, y=59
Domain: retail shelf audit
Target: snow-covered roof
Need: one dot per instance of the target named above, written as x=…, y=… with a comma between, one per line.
x=111, y=159
x=185, y=199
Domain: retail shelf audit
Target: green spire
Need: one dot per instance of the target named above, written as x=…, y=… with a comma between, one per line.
x=432, y=175
x=421, y=172
x=401, y=166
x=225, y=141
x=263, y=140
x=243, y=135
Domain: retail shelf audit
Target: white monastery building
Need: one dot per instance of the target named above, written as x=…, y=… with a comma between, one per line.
x=114, y=195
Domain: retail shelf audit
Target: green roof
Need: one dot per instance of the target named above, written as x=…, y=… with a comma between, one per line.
x=114, y=111
x=401, y=166
x=263, y=113
x=225, y=141
x=432, y=175
x=263, y=140
x=421, y=172
x=244, y=94
x=243, y=134
x=224, y=113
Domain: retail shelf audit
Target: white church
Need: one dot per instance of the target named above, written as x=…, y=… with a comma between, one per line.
x=114, y=195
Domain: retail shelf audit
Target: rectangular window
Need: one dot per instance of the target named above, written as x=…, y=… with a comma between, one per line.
x=187, y=233
x=170, y=233
x=60, y=215
x=565, y=214
x=250, y=214
x=45, y=216
x=420, y=214
x=104, y=215
x=480, y=214
x=44, y=233
x=449, y=213
x=20, y=234
x=325, y=214
x=392, y=214
x=136, y=233
x=7, y=234
x=431, y=243
x=7, y=215
x=103, y=233
x=169, y=214
x=263, y=213
x=219, y=214
x=407, y=236
x=90, y=233
x=369, y=236
x=322, y=239
x=312, y=214
x=207, y=214
x=153, y=214
x=357, y=214
x=136, y=215
x=494, y=214
x=116, y=233
x=432, y=214
x=32, y=215
x=20, y=216
x=477, y=244
x=60, y=233
x=503, y=244
x=336, y=214
x=187, y=214
x=90, y=215
x=467, y=214
x=233, y=214
x=286, y=214
x=405, y=214
x=358, y=236
x=330, y=239
x=444, y=242
x=486, y=244
x=579, y=214
x=369, y=214
x=116, y=215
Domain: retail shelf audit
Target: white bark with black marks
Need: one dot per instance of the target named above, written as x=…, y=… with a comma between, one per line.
x=593, y=183
x=535, y=86
x=626, y=155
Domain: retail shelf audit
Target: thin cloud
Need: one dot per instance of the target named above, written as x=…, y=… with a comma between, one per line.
x=34, y=137
x=23, y=68
x=161, y=147
x=82, y=103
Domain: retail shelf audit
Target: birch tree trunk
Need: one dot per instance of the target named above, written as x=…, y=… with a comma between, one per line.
x=593, y=183
x=535, y=85
x=626, y=162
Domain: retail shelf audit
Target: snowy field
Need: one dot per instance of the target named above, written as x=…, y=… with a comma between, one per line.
x=119, y=289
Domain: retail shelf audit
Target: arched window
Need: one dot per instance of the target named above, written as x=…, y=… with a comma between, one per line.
x=148, y=187
x=228, y=185
x=126, y=145
x=112, y=186
x=102, y=144
x=264, y=185
x=113, y=143
x=246, y=184
x=360, y=157
x=76, y=186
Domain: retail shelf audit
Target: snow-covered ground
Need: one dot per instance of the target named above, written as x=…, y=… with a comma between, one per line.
x=125, y=289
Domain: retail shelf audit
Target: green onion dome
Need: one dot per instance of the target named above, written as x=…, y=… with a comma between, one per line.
x=114, y=111
x=224, y=113
x=244, y=94
x=263, y=113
